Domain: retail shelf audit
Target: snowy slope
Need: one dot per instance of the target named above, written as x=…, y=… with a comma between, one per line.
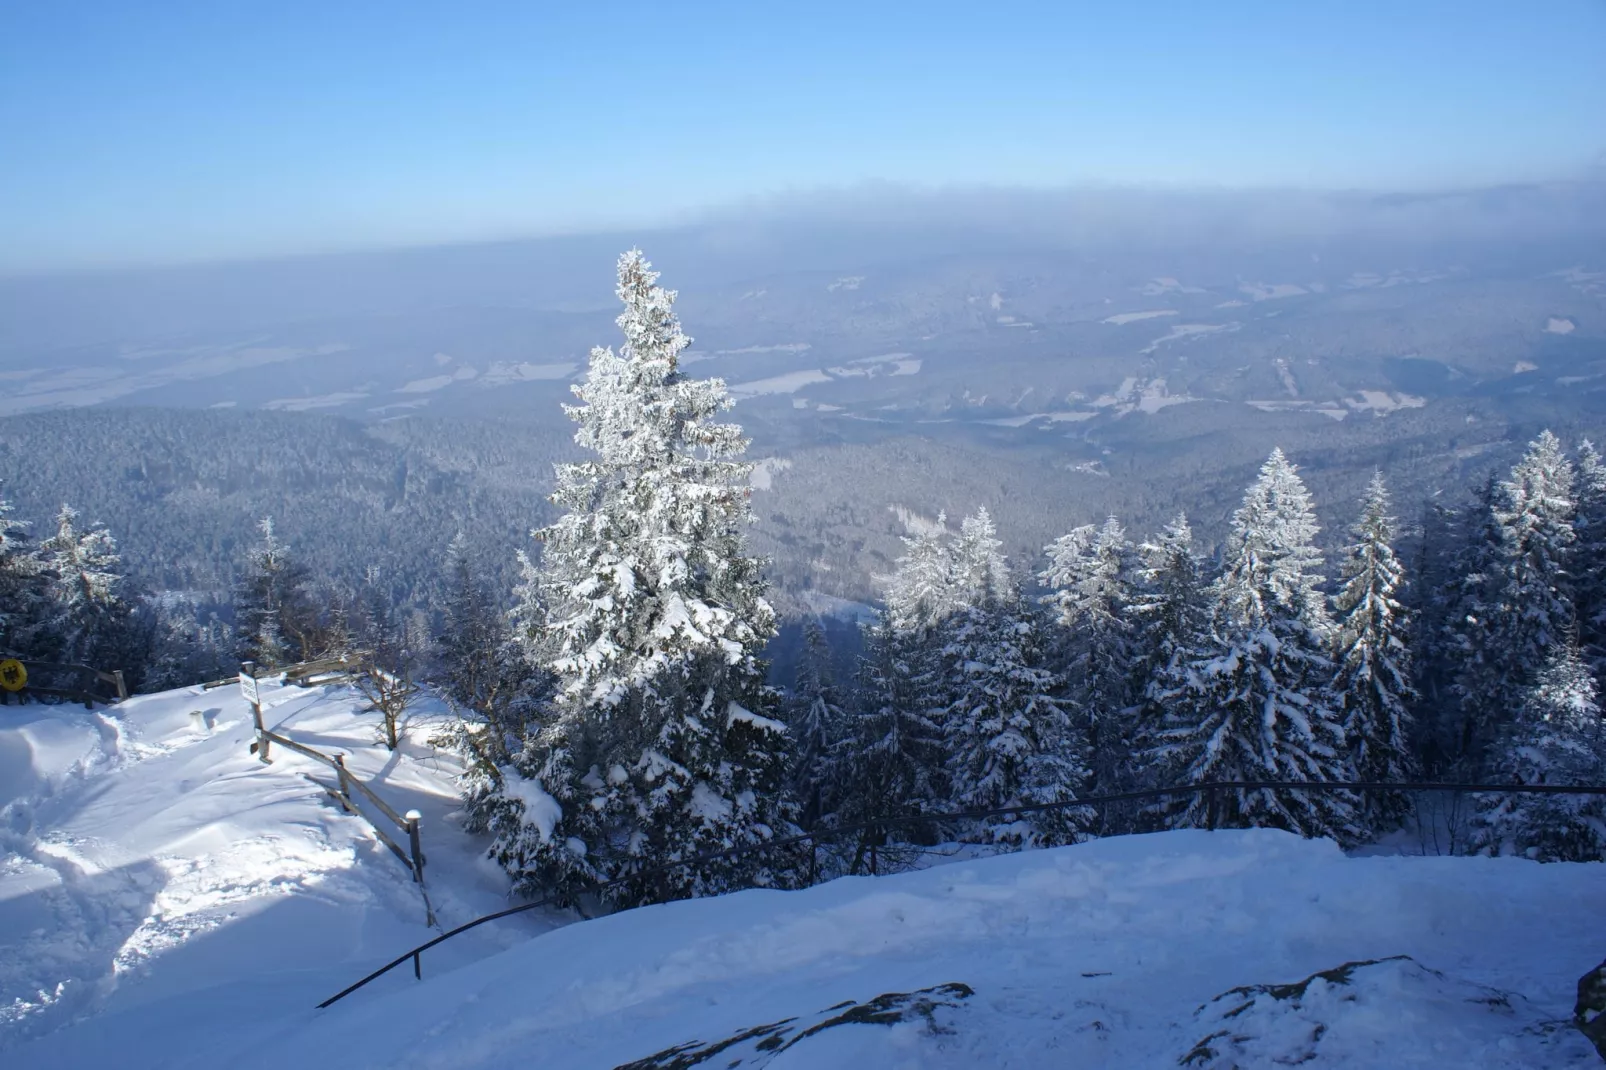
x=154, y=872
x=194, y=905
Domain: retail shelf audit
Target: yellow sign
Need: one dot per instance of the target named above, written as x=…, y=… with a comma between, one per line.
x=13, y=676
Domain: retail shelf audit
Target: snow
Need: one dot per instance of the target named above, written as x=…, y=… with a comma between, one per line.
x=319, y=401
x=1330, y=409
x=158, y=881
x=1262, y=291
x=1188, y=330
x=440, y=382
x=149, y=369
x=502, y=371
x=1121, y=952
x=736, y=712
x=847, y=282
x=886, y=364
x=783, y=347
x=1147, y=396
x=1164, y=284
x=765, y=471
x=1121, y=319
x=540, y=808
x=790, y=383
x=1383, y=402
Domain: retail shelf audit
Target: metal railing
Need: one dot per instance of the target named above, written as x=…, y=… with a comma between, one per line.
x=1211, y=791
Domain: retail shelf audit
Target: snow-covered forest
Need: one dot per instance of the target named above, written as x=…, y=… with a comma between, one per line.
x=616, y=712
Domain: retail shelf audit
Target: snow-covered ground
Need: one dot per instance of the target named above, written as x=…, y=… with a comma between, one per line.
x=153, y=876
x=182, y=905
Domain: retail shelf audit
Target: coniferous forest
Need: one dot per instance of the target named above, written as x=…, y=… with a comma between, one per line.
x=618, y=713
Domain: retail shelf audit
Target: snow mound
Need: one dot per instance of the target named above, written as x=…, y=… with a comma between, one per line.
x=1391, y=1012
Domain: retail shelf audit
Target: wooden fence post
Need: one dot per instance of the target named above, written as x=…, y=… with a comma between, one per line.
x=248, y=688
x=122, y=688
x=1210, y=807
x=413, y=818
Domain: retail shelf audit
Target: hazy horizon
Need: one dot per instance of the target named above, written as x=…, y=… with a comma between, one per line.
x=167, y=135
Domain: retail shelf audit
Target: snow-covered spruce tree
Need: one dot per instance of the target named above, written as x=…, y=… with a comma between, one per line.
x=817, y=721
x=659, y=750
x=1171, y=619
x=1089, y=578
x=1589, y=558
x=1257, y=706
x=472, y=631
x=91, y=616
x=886, y=766
x=496, y=677
x=274, y=617
x=1475, y=662
x=978, y=570
x=1535, y=513
x=920, y=594
x=25, y=607
x=492, y=679
x=1372, y=687
x=1010, y=740
x=1556, y=740
x=937, y=577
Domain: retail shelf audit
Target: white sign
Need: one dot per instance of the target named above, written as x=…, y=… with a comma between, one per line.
x=248, y=688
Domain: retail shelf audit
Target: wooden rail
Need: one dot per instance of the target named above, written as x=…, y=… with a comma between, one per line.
x=84, y=680
x=346, y=782
x=815, y=837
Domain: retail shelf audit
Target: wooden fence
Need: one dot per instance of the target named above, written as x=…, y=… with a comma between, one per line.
x=876, y=829
x=348, y=789
x=76, y=683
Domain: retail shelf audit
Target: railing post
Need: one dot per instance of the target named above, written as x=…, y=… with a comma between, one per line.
x=1210, y=807
x=122, y=688
x=814, y=861
x=248, y=688
x=413, y=818
x=340, y=779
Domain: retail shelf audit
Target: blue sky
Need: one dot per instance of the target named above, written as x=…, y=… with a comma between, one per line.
x=151, y=131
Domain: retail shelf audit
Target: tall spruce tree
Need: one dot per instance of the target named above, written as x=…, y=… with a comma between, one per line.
x=1257, y=705
x=978, y=570
x=1556, y=739
x=1536, y=513
x=817, y=721
x=920, y=594
x=1090, y=592
x=91, y=616
x=1589, y=558
x=1372, y=686
x=889, y=762
x=660, y=750
x=1009, y=738
x=275, y=621
x=1171, y=620
x=1479, y=666
x=472, y=634
x=25, y=606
